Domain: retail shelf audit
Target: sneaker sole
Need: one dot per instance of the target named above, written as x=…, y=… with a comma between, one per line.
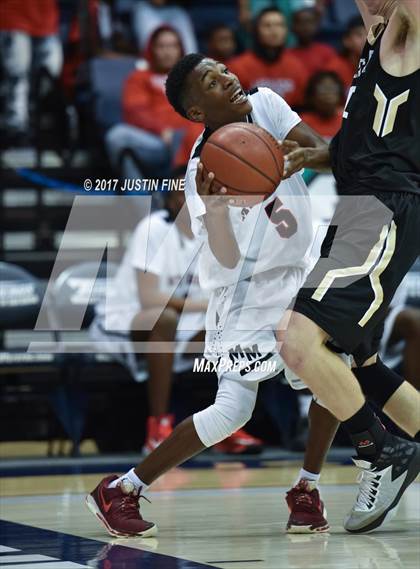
x=309, y=529
x=390, y=513
x=93, y=508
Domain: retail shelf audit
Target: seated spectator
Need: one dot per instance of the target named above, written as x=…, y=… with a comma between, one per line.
x=324, y=103
x=29, y=43
x=248, y=9
x=152, y=131
x=345, y=64
x=221, y=43
x=269, y=63
x=312, y=54
x=152, y=14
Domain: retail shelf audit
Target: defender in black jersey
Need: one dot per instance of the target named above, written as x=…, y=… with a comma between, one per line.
x=376, y=153
x=373, y=240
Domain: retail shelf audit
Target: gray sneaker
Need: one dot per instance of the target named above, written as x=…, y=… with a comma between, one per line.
x=382, y=484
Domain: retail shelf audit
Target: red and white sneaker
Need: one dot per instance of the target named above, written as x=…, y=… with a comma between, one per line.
x=307, y=511
x=118, y=509
x=158, y=429
x=240, y=443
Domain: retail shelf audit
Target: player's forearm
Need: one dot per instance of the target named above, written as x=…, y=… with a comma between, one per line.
x=222, y=240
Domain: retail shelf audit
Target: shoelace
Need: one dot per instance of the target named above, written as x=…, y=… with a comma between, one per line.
x=303, y=498
x=130, y=505
x=368, y=485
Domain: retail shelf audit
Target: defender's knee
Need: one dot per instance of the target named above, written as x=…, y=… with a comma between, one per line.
x=301, y=341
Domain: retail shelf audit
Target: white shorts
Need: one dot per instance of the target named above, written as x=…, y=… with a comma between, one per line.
x=242, y=320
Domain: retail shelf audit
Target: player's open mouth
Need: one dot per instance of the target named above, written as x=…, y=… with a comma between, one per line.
x=238, y=97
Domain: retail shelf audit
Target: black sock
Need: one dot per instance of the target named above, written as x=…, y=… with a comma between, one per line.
x=366, y=432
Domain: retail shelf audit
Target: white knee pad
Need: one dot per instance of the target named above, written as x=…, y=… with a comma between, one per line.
x=235, y=402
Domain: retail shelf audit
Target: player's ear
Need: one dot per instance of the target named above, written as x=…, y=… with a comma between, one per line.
x=195, y=114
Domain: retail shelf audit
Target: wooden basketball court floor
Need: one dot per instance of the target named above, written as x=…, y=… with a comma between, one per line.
x=228, y=517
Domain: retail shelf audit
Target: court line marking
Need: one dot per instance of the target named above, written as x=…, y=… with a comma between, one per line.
x=25, y=558
x=239, y=561
x=81, y=551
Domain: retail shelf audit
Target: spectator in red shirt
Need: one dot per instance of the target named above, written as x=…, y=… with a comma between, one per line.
x=345, y=64
x=269, y=63
x=221, y=43
x=152, y=132
x=312, y=54
x=324, y=103
x=28, y=42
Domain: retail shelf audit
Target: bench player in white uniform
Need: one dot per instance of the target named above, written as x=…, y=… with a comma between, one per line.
x=253, y=262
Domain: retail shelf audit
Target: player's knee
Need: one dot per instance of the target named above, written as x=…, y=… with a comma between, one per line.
x=301, y=341
x=293, y=350
x=241, y=415
x=214, y=424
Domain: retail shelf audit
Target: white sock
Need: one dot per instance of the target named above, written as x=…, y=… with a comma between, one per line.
x=304, y=474
x=134, y=479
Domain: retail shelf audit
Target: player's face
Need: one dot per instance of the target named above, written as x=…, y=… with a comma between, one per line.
x=217, y=94
x=272, y=30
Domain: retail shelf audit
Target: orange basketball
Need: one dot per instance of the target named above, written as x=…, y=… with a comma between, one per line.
x=244, y=158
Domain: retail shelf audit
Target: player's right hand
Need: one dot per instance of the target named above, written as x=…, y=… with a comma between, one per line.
x=205, y=183
x=205, y=187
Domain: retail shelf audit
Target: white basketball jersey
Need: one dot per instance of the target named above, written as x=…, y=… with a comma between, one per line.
x=264, y=239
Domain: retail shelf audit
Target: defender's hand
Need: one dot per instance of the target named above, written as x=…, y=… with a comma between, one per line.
x=295, y=158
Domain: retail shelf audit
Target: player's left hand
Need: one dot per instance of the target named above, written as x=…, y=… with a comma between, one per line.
x=294, y=158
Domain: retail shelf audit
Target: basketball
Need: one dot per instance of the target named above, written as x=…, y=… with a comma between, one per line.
x=245, y=159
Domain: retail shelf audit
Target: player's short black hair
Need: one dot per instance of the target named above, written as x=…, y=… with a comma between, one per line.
x=177, y=77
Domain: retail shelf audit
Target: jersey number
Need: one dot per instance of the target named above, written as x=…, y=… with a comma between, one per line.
x=283, y=219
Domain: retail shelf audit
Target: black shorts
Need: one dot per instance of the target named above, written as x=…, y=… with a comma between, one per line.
x=365, y=255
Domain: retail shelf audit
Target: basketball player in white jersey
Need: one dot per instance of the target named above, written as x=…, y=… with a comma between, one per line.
x=253, y=261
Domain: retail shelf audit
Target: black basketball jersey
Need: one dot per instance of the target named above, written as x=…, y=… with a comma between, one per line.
x=378, y=146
